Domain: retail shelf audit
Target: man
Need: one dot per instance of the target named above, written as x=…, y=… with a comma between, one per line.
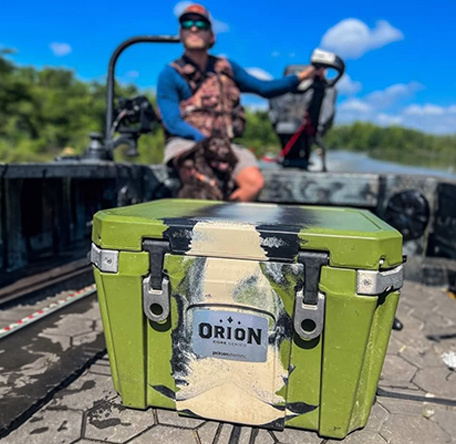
x=199, y=94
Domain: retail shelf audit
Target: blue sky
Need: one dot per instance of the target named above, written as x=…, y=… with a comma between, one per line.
x=400, y=55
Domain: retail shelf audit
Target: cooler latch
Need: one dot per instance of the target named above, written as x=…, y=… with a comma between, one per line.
x=309, y=312
x=156, y=284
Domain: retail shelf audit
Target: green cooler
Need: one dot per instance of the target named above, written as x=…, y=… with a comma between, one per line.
x=263, y=315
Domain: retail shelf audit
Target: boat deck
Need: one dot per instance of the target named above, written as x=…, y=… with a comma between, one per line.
x=416, y=399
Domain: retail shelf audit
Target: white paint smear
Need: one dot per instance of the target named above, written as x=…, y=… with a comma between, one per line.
x=227, y=239
x=449, y=359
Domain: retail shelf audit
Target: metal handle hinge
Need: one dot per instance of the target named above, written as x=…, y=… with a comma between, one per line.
x=309, y=311
x=106, y=261
x=374, y=282
x=156, y=291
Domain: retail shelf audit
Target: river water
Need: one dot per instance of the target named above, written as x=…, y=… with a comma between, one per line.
x=346, y=161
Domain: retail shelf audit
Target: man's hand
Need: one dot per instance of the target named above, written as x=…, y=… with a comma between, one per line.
x=250, y=182
x=310, y=73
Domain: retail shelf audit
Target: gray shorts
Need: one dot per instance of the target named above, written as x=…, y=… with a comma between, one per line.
x=177, y=145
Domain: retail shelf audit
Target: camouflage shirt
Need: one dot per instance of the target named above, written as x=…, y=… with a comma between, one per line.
x=215, y=103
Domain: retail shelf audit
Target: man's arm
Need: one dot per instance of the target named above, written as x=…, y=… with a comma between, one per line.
x=268, y=88
x=168, y=104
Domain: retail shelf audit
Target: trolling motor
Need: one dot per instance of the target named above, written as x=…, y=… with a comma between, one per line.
x=131, y=118
x=300, y=119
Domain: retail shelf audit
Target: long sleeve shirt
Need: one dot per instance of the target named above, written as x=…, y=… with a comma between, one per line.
x=172, y=88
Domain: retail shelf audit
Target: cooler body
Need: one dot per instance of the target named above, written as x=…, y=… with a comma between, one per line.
x=263, y=315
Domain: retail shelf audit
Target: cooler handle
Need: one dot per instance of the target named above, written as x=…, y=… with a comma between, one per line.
x=156, y=285
x=309, y=312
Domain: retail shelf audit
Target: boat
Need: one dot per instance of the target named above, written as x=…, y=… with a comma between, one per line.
x=46, y=216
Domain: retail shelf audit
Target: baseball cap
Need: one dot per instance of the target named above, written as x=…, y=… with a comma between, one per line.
x=195, y=9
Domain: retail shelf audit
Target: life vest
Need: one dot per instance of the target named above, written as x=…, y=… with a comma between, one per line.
x=215, y=102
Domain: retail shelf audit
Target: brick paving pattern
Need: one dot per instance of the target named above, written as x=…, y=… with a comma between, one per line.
x=416, y=401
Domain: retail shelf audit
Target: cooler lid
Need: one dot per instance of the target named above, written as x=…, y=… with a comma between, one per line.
x=354, y=238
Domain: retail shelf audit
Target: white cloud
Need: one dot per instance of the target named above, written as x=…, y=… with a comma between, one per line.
x=431, y=118
x=347, y=86
x=376, y=106
x=354, y=110
x=375, y=103
x=387, y=119
x=275, y=54
x=393, y=94
x=351, y=38
x=218, y=26
x=60, y=49
x=259, y=73
x=428, y=118
x=429, y=110
x=355, y=106
x=391, y=106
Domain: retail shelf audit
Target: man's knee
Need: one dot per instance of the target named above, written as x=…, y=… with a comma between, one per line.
x=251, y=177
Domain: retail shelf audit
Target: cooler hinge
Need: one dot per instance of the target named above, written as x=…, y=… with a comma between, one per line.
x=374, y=282
x=106, y=261
x=155, y=285
x=309, y=312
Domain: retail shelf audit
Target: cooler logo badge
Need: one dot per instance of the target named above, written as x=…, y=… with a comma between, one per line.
x=230, y=335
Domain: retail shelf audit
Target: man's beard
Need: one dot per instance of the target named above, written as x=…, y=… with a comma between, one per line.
x=196, y=45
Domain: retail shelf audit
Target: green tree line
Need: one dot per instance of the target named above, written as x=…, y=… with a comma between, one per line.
x=395, y=143
x=44, y=111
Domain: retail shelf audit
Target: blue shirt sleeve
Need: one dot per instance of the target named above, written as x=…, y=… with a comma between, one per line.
x=264, y=88
x=168, y=98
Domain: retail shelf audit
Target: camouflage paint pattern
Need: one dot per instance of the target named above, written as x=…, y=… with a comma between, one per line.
x=241, y=260
x=231, y=390
x=303, y=188
x=427, y=186
x=444, y=230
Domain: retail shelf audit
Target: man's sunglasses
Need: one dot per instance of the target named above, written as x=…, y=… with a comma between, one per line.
x=200, y=24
